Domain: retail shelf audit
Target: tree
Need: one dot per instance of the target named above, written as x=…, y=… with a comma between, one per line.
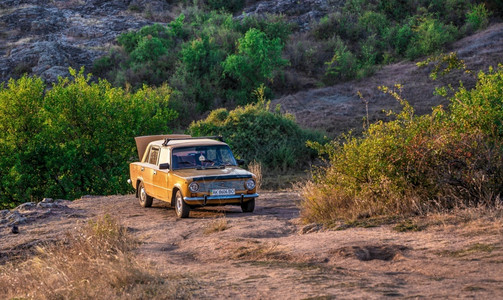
x=257, y=59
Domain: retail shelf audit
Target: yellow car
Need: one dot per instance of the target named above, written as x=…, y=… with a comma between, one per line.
x=190, y=172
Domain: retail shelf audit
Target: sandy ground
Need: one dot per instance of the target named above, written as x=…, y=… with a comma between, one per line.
x=269, y=254
x=337, y=108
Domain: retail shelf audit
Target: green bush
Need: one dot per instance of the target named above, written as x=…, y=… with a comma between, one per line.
x=342, y=66
x=257, y=59
x=373, y=22
x=190, y=52
x=148, y=48
x=430, y=35
x=74, y=139
x=256, y=134
x=414, y=165
x=402, y=39
x=477, y=17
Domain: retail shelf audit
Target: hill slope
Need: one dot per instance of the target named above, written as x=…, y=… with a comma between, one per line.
x=337, y=108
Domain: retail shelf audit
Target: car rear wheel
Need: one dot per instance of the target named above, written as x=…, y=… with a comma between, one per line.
x=248, y=206
x=145, y=200
x=181, y=208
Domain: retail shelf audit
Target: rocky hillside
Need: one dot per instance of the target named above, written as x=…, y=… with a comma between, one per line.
x=46, y=37
x=300, y=13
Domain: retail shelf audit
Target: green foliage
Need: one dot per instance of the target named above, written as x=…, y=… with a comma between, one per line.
x=74, y=139
x=373, y=22
x=342, y=65
x=257, y=134
x=257, y=58
x=380, y=32
x=148, y=48
x=477, y=17
x=416, y=164
x=190, y=53
x=429, y=36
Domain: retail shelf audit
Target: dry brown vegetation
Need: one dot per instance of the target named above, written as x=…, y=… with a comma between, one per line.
x=95, y=262
x=256, y=168
x=219, y=224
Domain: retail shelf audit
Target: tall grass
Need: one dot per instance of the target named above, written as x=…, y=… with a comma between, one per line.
x=256, y=168
x=95, y=262
x=416, y=164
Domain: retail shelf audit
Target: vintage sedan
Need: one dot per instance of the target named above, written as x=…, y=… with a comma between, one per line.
x=190, y=172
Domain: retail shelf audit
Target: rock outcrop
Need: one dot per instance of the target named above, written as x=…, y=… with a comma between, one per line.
x=302, y=13
x=47, y=37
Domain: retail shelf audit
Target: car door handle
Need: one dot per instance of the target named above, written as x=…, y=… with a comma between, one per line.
x=155, y=172
x=142, y=168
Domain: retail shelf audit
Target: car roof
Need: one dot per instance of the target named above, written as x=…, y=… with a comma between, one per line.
x=187, y=142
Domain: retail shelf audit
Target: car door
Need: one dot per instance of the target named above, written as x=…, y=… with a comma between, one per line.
x=160, y=176
x=149, y=169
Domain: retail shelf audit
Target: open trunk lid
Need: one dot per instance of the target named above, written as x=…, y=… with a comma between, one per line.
x=143, y=141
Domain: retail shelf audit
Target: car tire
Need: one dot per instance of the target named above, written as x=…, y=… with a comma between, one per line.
x=144, y=199
x=248, y=206
x=181, y=208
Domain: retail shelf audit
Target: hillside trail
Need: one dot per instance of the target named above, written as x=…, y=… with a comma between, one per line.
x=270, y=254
x=338, y=108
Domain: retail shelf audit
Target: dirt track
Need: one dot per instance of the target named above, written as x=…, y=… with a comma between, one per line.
x=264, y=255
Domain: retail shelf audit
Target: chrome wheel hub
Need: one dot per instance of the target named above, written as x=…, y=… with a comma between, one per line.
x=178, y=203
x=143, y=195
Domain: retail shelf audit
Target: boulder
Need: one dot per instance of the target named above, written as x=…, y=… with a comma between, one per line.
x=26, y=206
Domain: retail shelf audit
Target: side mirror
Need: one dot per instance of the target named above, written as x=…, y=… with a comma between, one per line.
x=164, y=166
x=240, y=162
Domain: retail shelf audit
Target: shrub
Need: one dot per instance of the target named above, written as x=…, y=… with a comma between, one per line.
x=148, y=48
x=373, y=23
x=257, y=58
x=342, y=66
x=429, y=36
x=256, y=134
x=74, y=139
x=477, y=17
x=413, y=164
x=189, y=54
x=402, y=39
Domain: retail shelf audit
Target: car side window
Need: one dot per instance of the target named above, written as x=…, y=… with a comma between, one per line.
x=154, y=154
x=164, y=156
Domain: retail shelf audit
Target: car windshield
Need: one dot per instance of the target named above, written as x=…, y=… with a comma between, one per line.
x=202, y=157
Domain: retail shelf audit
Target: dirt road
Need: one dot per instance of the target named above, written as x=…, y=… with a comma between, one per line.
x=268, y=254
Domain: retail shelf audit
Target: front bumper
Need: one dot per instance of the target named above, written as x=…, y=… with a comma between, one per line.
x=221, y=199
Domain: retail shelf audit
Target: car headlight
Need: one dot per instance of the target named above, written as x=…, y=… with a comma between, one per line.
x=250, y=184
x=194, y=187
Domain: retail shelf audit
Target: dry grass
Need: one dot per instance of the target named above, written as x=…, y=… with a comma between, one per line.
x=95, y=262
x=256, y=168
x=260, y=252
x=217, y=225
x=476, y=248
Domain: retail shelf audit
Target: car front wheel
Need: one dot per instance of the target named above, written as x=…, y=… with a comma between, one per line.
x=145, y=200
x=248, y=206
x=181, y=208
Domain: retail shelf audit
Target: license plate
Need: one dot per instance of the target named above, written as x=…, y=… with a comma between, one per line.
x=223, y=192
